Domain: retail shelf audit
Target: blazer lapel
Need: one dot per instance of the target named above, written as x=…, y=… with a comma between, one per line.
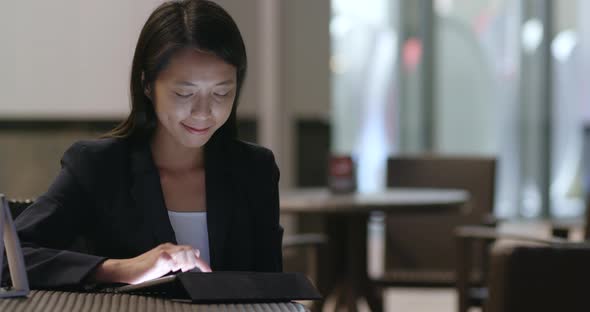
x=146, y=192
x=222, y=195
x=222, y=198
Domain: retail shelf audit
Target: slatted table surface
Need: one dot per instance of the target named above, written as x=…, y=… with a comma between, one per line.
x=57, y=301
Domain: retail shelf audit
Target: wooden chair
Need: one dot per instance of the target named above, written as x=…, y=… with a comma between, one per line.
x=302, y=253
x=17, y=206
x=542, y=277
x=506, y=261
x=420, y=249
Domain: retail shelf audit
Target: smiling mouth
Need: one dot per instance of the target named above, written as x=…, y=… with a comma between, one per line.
x=196, y=130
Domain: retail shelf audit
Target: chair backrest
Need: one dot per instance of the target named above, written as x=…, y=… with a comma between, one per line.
x=18, y=206
x=587, y=224
x=526, y=276
x=426, y=242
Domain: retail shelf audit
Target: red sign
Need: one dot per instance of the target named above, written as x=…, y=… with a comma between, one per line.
x=341, y=174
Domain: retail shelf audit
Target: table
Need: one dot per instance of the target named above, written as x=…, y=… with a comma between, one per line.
x=345, y=218
x=58, y=301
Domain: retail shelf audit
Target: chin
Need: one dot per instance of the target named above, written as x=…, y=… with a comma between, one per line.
x=194, y=142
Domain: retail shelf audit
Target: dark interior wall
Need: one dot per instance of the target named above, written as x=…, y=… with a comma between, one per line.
x=30, y=152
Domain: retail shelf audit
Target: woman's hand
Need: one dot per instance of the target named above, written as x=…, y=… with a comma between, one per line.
x=152, y=264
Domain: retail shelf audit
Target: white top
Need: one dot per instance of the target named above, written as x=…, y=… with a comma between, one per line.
x=190, y=229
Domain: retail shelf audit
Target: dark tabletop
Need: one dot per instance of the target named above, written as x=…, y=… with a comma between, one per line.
x=408, y=200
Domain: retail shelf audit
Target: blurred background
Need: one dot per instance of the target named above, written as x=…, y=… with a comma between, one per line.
x=503, y=78
x=372, y=79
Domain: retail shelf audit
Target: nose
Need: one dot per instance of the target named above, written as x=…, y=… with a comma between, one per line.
x=201, y=108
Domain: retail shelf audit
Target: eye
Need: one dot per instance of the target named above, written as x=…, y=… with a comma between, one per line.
x=184, y=96
x=221, y=94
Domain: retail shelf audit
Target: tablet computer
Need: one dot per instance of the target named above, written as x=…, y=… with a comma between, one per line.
x=226, y=286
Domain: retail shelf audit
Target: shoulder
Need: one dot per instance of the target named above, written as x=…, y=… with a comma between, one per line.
x=100, y=153
x=256, y=160
x=253, y=152
x=98, y=146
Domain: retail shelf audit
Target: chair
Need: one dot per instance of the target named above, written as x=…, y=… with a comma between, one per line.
x=419, y=249
x=540, y=273
x=542, y=277
x=303, y=253
x=17, y=206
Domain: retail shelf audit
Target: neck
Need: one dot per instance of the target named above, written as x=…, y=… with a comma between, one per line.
x=169, y=154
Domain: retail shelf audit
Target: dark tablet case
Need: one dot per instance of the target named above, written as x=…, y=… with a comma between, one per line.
x=218, y=287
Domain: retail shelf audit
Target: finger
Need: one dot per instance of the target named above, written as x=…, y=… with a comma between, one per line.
x=203, y=266
x=193, y=255
x=195, y=261
x=179, y=248
x=182, y=259
x=194, y=258
x=170, y=262
x=189, y=260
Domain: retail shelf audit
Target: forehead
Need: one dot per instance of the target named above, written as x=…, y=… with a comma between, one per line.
x=194, y=65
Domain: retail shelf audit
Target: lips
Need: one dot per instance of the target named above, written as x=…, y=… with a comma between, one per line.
x=196, y=130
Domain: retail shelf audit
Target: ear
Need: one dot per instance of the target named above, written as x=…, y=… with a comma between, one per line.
x=147, y=90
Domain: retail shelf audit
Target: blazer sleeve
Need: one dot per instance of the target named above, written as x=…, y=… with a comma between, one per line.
x=269, y=233
x=49, y=226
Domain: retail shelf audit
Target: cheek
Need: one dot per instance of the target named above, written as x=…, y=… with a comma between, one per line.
x=161, y=103
x=170, y=109
x=223, y=111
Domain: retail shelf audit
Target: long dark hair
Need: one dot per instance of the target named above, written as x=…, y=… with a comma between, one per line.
x=176, y=25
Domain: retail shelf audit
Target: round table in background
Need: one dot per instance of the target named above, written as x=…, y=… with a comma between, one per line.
x=345, y=218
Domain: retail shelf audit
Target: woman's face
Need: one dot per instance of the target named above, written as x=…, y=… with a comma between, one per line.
x=193, y=97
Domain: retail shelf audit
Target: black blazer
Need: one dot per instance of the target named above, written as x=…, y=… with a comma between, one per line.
x=108, y=193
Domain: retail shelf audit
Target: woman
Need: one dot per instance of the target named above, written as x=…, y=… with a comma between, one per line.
x=171, y=188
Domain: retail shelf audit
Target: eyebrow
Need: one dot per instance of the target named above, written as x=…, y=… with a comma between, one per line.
x=190, y=84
